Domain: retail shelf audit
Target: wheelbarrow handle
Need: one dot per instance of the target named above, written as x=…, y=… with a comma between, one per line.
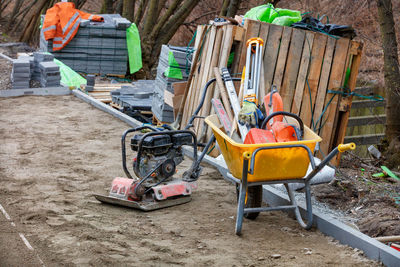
x=346, y=147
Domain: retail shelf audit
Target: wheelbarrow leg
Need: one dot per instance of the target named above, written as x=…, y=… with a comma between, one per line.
x=242, y=198
x=297, y=210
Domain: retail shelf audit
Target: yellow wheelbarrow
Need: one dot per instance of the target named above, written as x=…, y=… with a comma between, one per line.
x=253, y=165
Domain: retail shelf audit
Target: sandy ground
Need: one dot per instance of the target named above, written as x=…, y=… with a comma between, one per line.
x=56, y=151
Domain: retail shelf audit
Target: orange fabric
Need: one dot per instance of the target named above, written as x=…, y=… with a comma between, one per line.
x=62, y=21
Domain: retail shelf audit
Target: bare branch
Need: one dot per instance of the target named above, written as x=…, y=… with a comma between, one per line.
x=151, y=18
x=165, y=17
x=140, y=12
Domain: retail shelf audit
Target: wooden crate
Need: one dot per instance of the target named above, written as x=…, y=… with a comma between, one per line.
x=304, y=66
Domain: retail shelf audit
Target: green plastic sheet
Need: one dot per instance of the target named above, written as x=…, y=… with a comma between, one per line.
x=173, y=71
x=134, y=49
x=267, y=13
x=68, y=76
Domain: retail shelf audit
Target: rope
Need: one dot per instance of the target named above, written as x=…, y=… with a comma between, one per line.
x=345, y=93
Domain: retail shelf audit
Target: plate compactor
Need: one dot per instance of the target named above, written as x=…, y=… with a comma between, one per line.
x=158, y=155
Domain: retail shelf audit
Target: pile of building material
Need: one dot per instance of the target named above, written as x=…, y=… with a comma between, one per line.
x=135, y=100
x=21, y=73
x=50, y=74
x=173, y=66
x=304, y=66
x=98, y=47
x=46, y=71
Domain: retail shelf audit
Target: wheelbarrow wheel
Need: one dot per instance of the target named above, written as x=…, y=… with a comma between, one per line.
x=254, y=200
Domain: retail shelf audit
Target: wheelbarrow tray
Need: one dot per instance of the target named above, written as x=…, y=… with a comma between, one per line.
x=273, y=164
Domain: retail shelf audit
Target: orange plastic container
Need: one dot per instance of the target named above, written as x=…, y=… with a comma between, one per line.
x=272, y=164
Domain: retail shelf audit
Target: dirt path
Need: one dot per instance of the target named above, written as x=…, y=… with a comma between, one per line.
x=56, y=151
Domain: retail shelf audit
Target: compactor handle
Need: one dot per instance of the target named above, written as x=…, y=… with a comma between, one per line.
x=344, y=147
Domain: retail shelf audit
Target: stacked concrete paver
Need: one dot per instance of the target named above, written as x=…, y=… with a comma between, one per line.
x=50, y=74
x=21, y=73
x=182, y=55
x=98, y=47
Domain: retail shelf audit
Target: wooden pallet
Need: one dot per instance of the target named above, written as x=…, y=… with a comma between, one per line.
x=303, y=65
x=102, y=91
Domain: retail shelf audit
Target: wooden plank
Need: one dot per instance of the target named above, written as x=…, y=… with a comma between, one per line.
x=271, y=54
x=201, y=30
x=367, y=104
x=301, y=78
x=194, y=87
x=283, y=52
x=364, y=139
x=292, y=68
x=324, y=79
x=252, y=28
x=225, y=51
x=223, y=93
x=204, y=69
x=343, y=117
x=264, y=29
x=310, y=90
x=364, y=90
x=226, y=46
x=335, y=81
x=210, y=73
x=185, y=106
x=366, y=120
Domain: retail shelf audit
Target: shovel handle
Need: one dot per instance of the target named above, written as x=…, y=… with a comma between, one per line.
x=345, y=147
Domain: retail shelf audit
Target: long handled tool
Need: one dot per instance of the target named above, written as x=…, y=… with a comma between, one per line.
x=253, y=69
x=230, y=87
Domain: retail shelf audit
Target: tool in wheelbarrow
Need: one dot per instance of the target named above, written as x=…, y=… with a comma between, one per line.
x=250, y=114
x=159, y=152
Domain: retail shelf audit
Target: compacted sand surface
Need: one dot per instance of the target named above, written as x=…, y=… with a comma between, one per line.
x=56, y=151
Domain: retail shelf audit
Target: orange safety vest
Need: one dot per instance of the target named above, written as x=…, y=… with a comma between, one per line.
x=61, y=23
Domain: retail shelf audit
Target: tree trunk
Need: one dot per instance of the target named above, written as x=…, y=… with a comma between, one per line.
x=33, y=22
x=233, y=8
x=140, y=11
x=392, y=80
x=120, y=7
x=224, y=8
x=128, y=10
x=14, y=12
x=107, y=7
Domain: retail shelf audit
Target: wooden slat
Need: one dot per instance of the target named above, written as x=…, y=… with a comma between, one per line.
x=366, y=120
x=301, y=78
x=364, y=90
x=271, y=54
x=335, y=81
x=281, y=62
x=263, y=34
x=223, y=93
x=356, y=51
x=195, y=87
x=205, y=67
x=292, y=68
x=189, y=88
x=367, y=104
x=317, y=55
x=324, y=79
x=226, y=46
x=364, y=139
x=225, y=51
x=210, y=92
